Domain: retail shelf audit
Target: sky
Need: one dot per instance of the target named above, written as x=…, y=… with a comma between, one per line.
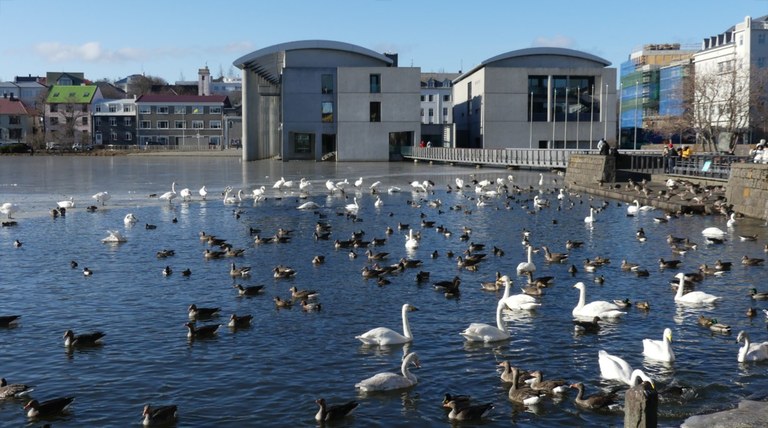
x=172, y=39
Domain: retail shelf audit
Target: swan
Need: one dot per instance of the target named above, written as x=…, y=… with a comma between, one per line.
x=70, y=203
x=9, y=209
x=114, y=236
x=480, y=332
x=659, y=350
x=529, y=266
x=186, y=194
x=101, y=197
x=305, y=185
x=390, y=381
x=751, y=351
x=713, y=232
x=598, y=308
x=541, y=179
x=615, y=368
x=279, y=183
x=379, y=203
x=330, y=186
x=693, y=297
x=383, y=336
x=561, y=195
x=229, y=200
x=353, y=207
x=393, y=189
x=732, y=220
x=308, y=206
x=375, y=186
x=517, y=301
x=359, y=182
x=258, y=194
x=633, y=208
x=203, y=192
x=459, y=183
x=130, y=219
x=410, y=241
x=591, y=217
x=170, y=196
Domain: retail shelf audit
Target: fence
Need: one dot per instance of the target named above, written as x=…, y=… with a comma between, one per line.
x=532, y=158
x=714, y=166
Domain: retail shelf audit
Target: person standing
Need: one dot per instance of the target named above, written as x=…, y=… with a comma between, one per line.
x=687, y=152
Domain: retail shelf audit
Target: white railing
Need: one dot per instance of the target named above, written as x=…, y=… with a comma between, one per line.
x=531, y=158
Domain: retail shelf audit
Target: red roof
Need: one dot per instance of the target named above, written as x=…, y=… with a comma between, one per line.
x=14, y=107
x=187, y=99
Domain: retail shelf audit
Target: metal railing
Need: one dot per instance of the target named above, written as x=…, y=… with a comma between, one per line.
x=532, y=158
x=704, y=165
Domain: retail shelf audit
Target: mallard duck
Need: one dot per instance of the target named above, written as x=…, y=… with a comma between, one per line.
x=719, y=327
x=644, y=306
x=758, y=295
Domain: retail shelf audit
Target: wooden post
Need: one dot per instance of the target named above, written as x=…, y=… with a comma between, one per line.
x=641, y=404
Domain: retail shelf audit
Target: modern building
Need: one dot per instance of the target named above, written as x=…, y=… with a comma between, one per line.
x=114, y=122
x=68, y=113
x=640, y=89
x=536, y=98
x=17, y=122
x=437, y=108
x=317, y=99
x=185, y=121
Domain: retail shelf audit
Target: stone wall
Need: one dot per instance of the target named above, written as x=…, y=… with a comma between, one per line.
x=590, y=169
x=747, y=189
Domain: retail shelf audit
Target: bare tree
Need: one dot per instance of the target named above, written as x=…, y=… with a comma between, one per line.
x=69, y=124
x=141, y=85
x=667, y=126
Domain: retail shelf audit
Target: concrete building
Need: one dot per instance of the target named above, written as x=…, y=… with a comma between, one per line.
x=190, y=122
x=318, y=99
x=437, y=108
x=114, y=122
x=536, y=98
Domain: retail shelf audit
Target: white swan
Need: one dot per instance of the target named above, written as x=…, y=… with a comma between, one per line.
x=541, y=179
x=101, y=197
x=633, y=208
x=379, y=203
x=130, y=219
x=114, y=236
x=279, y=183
x=374, y=187
x=305, y=185
x=518, y=301
x=9, y=208
x=659, y=350
x=459, y=183
x=561, y=196
x=591, y=217
x=353, y=207
x=70, y=203
x=390, y=381
x=615, y=368
x=186, y=194
x=693, y=297
x=383, y=336
x=713, y=232
x=359, y=182
x=258, y=194
x=330, y=186
x=529, y=266
x=598, y=308
x=308, y=206
x=751, y=351
x=480, y=332
x=731, y=220
x=410, y=241
x=203, y=192
x=169, y=196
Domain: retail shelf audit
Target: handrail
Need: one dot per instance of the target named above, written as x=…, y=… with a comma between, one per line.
x=704, y=165
x=533, y=158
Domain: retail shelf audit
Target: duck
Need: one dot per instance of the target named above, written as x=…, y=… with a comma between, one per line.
x=747, y=261
x=240, y=321
x=334, y=412
x=527, y=266
x=659, y=350
x=584, y=326
x=522, y=394
x=480, y=332
x=718, y=327
x=387, y=381
x=615, y=368
x=758, y=295
x=48, y=408
x=693, y=297
x=159, y=416
x=384, y=336
x=643, y=306
x=167, y=271
x=598, y=308
x=468, y=412
x=87, y=271
x=13, y=390
x=204, y=331
x=551, y=386
x=85, y=339
x=199, y=313
x=251, y=290
x=518, y=301
x=751, y=351
x=595, y=401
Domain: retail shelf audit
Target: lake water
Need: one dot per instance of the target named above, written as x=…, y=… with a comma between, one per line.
x=271, y=373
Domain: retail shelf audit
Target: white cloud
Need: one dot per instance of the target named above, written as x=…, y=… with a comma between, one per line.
x=87, y=52
x=553, y=42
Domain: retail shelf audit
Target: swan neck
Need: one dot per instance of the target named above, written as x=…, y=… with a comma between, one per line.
x=530, y=254
x=499, y=309
x=507, y=288
x=582, y=297
x=406, y=325
x=680, y=286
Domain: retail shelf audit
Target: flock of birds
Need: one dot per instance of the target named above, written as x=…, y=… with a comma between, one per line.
x=525, y=388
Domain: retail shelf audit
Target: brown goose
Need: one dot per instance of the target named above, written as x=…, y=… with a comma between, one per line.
x=208, y=254
x=587, y=326
x=85, y=339
x=552, y=386
x=375, y=256
x=280, y=303
x=200, y=313
x=251, y=290
x=302, y=294
x=157, y=416
x=202, y=331
x=241, y=271
x=507, y=375
x=334, y=412
x=522, y=394
x=595, y=401
x=468, y=412
x=554, y=257
x=461, y=399
x=14, y=390
x=668, y=264
x=241, y=321
x=48, y=408
x=747, y=261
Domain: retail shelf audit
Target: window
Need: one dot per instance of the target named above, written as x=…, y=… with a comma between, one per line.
x=113, y=136
x=198, y=110
x=112, y=121
x=326, y=111
x=180, y=109
x=145, y=109
x=375, y=83
x=446, y=98
x=14, y=120
x=214, y=140
x=145, y=124
x=302, y=143
x=162, y=140
x=162, y=109
x=214, y=124
x=97, y=109
x=162, y=124
x=180, y=124
x=127, y=121
x=127, y=108
x=422, y=112
x=113, y=108
x=198, y=124
x=423, y=98
x=326, y=83
x=375, y=111
x=54, y=108
x=84, y=108
x=97, y=121
x=84, y=120
x=69, y=108
x=54, y=120
x=431, y=112
x=445, y=111
x=431, y=97
x=214, y=110
x=128, y=136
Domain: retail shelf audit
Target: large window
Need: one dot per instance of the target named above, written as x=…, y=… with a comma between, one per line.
x=375, y=111
x=84, y=120
x=128, y=136
x=375, y=83
x=127, y=121
x=326, y=108
x=113, y=108
x=145, y=124
x=214, y=110
x=162, y=109
x=326, y=83
x=214, y=124
x=145, y=109
x=112, y=121
x=302, y=143
x=180, y=124
x=198, y=124
x=570, y=98
x=180, y=109
x=162, y=124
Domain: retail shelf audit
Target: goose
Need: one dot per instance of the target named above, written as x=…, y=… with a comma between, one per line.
x=748, y=261
x=282, y=304
x=410, y=241
x=310, y=306
x=615, y=368
x=693, y=297
x=595, y=401
x=554, y=257
x=203, y=192
x=101, y=198
x=383, y=336
x=240, y=321
x=518, y=301
x=69, y=203
x=522, y=395
x=461, y=399
x=583, y=326
x=334, y=412
x=14, y=390
x=251, y=290
x=159, y=416
x=467, y=412
x=659, y=350
x=668, y=264
x=241, y=271
x=552, y=386
x=480, y=332
x=598, y=308
x=391, y=381
x=169, y=196
x=130, y=219
x=48, y=408
x=507, y=375
x=751, y=351
x=302, y=294
x=85, y=339
x=529, y=266
x=204, y=331
x=196, y=313
x=591, y=217
x=283, y=272
x=493, y=285
x=8, y=320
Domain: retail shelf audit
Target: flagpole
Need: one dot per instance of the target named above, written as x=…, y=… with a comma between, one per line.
x=565, y=126
x=578, y=114
x=591, y=114
x=554, y=119
x=530, y=127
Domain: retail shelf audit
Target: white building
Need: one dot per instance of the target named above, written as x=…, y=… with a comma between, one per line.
x=437, y=108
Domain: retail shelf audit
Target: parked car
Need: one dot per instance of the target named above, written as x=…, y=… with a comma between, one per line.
x=79, y=147
x=53, y=146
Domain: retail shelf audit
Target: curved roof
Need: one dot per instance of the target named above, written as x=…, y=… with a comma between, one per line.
x=542, y=51
x=268, y=61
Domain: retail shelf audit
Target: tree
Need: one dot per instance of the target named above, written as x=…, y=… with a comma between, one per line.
x=667, y=126
x=140, y=85
x=69, y=124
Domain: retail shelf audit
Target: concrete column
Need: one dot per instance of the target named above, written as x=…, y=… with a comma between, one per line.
x=641, y=404
x=249, y=123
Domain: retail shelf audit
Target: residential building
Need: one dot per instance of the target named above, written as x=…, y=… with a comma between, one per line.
x=186, y=121
x=114, y=122
x=17, y=122
x=32, y=93
x=536, y=98
x=640, y=89
x=65, y=78
x=437, y=108
x=317, y=99
x=68, y=113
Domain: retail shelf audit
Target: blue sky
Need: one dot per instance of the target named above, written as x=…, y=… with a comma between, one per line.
x=173, y=38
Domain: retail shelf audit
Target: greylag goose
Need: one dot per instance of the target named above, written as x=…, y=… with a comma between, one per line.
x=310, y=306
x=165, y=253
x=203, y=331
x=507, y=375
x=461, y=399
x=85, y=339
x=466, y=412
x=282, y=304
x=747, y=261
x=13, y=390
x=595, y=401
x=551, y=386
x=159, y=416
x=241, y=321
x=669, y=264
x=422, y=276
x=554, y=257
x=251, y=290
x=48, y=408
x=522, y=394
x=199, y=313
x=241, y=271
x=334, y=412
x=302, y=294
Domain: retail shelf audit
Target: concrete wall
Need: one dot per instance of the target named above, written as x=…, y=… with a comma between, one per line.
x=747, y=189
x=590, y=169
